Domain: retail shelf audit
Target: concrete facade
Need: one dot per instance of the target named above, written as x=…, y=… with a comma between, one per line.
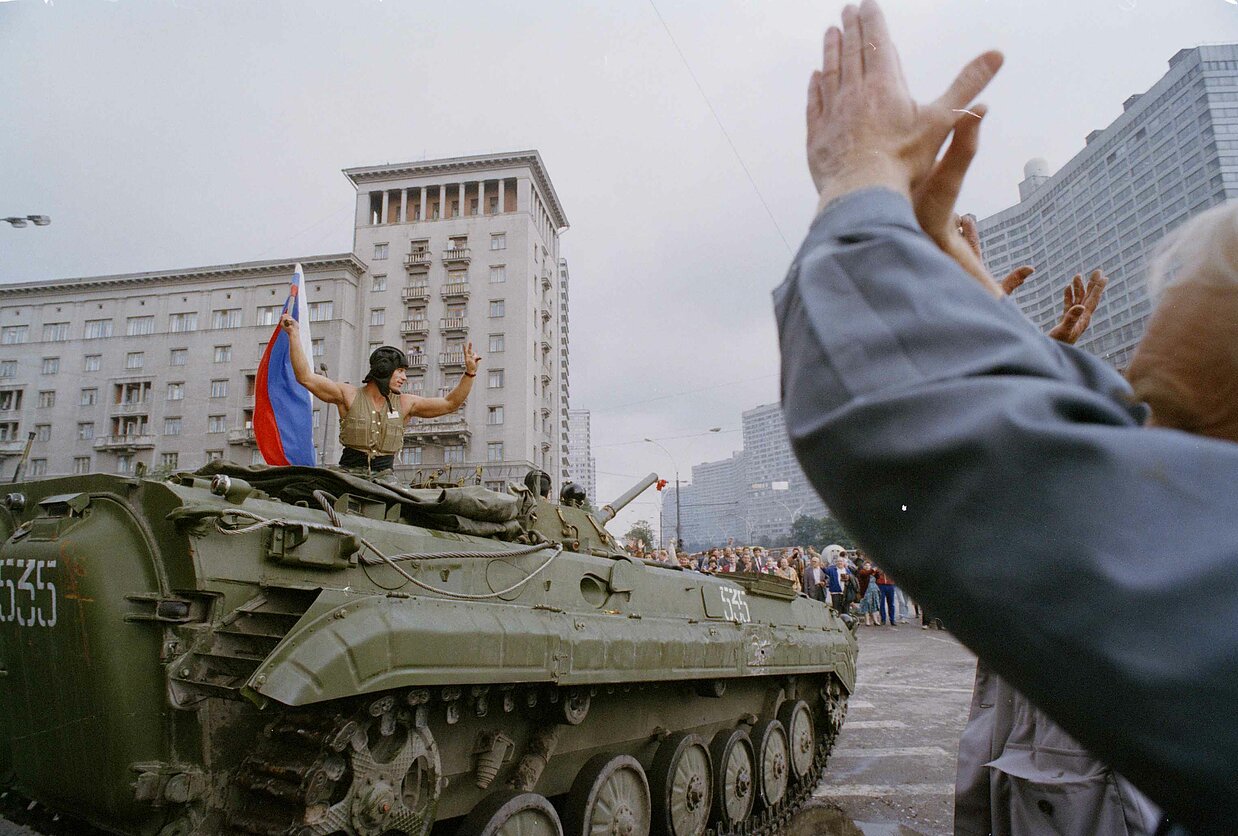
x=582, y=466
x=777, y=489
x=469, y=247
x=156, y=369
x=1172, y=154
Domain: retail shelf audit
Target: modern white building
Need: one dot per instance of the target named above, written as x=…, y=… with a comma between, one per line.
x=582, y=466
x=778, y=492
x=1171, y=154
x=157, y=369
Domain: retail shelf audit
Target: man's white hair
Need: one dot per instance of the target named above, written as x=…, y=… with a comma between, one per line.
x=1202, y=251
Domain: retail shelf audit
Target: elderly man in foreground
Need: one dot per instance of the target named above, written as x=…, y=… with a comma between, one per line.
x=926, y=410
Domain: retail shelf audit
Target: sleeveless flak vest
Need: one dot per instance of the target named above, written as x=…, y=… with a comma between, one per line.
x=372, y=431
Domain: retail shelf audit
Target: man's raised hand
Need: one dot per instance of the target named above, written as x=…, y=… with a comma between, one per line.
x=470, y=359
x=1078, y=306
x=863, y=127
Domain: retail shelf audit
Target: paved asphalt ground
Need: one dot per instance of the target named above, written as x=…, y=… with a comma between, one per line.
x=892, y=771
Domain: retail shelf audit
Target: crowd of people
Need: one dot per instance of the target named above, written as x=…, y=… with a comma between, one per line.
x=846, y=579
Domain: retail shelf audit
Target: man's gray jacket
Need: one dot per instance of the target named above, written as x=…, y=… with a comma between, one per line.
x=1094, y=562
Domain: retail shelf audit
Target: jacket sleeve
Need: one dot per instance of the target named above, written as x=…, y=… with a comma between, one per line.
x=1008, y=483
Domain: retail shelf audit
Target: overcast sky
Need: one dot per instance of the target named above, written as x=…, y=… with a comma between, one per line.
x=162, y=134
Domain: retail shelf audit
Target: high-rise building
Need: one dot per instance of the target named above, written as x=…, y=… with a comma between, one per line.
x=715, y=513
x=1171, y=154
x=582, y=466
x=778, y=492
x=157, y=369
x=468, y=248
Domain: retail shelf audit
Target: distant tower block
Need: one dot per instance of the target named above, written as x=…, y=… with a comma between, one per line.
x=1035, y=173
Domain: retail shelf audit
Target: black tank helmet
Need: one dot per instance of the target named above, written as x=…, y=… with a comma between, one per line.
x=383, y=363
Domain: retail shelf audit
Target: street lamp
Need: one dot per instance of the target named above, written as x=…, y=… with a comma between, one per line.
x=678, y=522
x=37, y=220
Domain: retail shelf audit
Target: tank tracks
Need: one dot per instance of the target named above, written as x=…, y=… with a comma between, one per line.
x=298, y=779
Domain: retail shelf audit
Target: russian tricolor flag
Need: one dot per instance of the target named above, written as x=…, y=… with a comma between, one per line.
x=283, y=408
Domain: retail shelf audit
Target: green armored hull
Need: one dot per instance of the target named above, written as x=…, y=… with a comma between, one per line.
x=294, y=650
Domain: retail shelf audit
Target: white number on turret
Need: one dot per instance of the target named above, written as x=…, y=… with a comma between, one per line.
x=734, y=604
x=24, y=596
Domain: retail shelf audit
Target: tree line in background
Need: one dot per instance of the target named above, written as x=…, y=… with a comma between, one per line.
x=806, y=531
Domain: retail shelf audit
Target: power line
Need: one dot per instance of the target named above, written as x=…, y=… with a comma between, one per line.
x=722, y=127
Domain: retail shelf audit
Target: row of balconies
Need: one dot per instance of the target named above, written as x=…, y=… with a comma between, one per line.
x=422, y=325
x=420, y=261
x=420, y=292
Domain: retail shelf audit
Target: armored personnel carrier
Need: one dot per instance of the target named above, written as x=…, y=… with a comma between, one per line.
x=302, y=651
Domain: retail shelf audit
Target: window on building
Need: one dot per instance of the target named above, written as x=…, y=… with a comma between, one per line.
x=47, y=399
x=494, y=415
x=378, y=283
x=38, y=467
x=51, y=365
x=85, y=431
x=410, y=456
x=223, y=354
x=172, y=425
x=453, y=454
x=494, y=451
x=178, y=323
x=319, y=311
x=180, y=357
x=269, y=314
x=498, y=274
x=89, y=397
x=135, y=359
x=380, y=252
x=9, y=430
x=317, y=419
x=226, y=318
x=176, y=391
x=42, y=432
x=494, y=379
x=55, y=332
x=498, y=308
x=216, y=423
x=214, y=455
x=318, y=348
x=124, y=463
x=378, y=316
x=81, y=465
x=219, y=388
x=251, y=384
x=497, y=342
x=169, y=461
x=92, y=362
x=97, y=329
x=8, y=368
x=14, y=334
x=498, y=241
x=138, y=326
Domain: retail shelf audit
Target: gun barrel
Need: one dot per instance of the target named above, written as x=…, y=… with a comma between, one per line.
x=608, y=512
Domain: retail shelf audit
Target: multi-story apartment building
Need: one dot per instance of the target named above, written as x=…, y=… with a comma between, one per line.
x=753, y=496
x=157, y=369
x=565, y=381
x=1171, y=154
x=582, y=466
x=777, y=490
x=716, y=511
x=462, y=250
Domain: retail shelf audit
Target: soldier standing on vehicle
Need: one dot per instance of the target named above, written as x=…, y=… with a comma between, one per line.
x=372, y=427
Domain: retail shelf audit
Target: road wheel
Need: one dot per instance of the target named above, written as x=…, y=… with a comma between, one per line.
x=769, y=741
x=610, y=795
x=681, y=784
x=796, y=718
x=734, y=775
x=510, y=813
